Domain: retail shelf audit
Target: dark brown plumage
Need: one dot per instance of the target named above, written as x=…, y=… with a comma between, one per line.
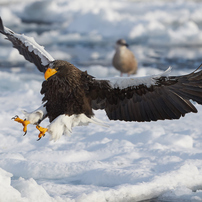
x=63, y=92
x=71, y=94
x=169, y=99
x=71, y=91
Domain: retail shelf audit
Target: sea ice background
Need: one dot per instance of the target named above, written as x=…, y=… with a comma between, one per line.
x=157, y=161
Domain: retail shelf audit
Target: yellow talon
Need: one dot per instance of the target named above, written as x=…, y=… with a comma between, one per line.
x=23, y=122
x=42, y=131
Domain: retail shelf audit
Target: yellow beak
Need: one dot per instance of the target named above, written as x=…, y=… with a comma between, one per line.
x=49, y=72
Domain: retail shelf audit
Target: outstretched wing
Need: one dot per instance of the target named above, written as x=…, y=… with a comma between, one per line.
x=28, y=47
x=148, y=98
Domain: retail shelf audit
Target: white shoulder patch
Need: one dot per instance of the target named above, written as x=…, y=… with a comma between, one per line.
x=125, y=82
x=32, y=45
x=63, y=124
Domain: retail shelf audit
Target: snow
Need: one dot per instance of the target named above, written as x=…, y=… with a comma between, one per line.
x=127, y=161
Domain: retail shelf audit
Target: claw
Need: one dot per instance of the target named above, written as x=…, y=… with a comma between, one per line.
x=23, y=122
x=42, y=131
x=16, y=116
x=25, y=133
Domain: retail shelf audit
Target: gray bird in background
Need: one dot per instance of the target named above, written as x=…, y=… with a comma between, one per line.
x=124, y=60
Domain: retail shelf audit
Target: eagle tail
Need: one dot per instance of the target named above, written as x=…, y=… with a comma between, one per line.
x=63, y=124
x=98, y=122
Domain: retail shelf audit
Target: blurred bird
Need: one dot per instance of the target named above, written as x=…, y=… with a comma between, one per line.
x=123, y=59
x=71, y=95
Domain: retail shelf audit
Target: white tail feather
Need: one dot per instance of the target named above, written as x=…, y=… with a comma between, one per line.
x=63, y=124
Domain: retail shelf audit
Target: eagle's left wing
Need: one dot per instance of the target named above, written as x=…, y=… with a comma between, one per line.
x=149, y=98
x=28, y=47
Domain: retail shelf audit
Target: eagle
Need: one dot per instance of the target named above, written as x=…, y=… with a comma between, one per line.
x=70, y=95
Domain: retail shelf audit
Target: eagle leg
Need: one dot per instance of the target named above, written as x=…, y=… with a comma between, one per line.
x=42, y=131
x=23, y=122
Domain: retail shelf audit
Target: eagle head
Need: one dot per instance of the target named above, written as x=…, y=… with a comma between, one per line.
x=57, y=66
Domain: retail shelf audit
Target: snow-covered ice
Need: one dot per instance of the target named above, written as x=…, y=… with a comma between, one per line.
x=161, y=161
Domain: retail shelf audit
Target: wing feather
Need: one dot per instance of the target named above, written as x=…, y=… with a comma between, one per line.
x=150, y=99
x=28, y=47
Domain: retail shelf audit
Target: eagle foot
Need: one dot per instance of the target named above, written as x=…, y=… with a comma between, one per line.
x=42, y=131
x=23, y=122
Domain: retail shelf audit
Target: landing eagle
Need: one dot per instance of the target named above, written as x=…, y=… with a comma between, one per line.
x=71, y=95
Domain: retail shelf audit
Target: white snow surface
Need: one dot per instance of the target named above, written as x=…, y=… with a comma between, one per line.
x=124, y=162
x=127, y=161
x=65, y=28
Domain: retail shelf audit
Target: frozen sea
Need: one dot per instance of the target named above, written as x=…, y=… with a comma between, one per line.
x=126, y=162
